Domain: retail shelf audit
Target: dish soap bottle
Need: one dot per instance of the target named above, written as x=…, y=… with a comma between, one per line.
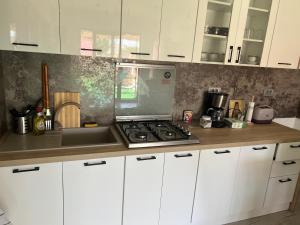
x=39, y=123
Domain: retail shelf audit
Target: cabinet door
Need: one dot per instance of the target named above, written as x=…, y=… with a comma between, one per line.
x=140, y=29
x=90, y=27
x=256, y=26
x=215, y=183
x=30, y=25
x=253, y=173
x=177, y=30
x=93, y=191
x=179, y=181
x=280, y=191
x=142, y=191
x=216, y=31
x=32, y=195
x=285, y=49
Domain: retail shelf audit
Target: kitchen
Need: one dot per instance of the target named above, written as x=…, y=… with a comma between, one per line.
x=148, y=65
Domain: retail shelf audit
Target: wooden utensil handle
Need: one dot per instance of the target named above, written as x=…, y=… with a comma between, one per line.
x=43, y=85
x=46, y=87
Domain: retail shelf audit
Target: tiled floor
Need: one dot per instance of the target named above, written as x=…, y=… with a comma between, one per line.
x=281, y=218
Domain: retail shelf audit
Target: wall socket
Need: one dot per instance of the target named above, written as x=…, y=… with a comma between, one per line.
x=214, y=89
x=268, y=92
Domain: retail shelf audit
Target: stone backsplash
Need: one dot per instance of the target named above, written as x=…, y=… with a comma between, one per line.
x=94, y=79
x=2, y=102
x=241, y=83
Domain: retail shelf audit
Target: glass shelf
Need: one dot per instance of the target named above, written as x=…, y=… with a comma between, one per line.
x=255, y=9
x=253, y=40
x=219, y=5
x=215, y=36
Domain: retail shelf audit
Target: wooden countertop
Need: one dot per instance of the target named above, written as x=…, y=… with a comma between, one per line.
x=209, y=139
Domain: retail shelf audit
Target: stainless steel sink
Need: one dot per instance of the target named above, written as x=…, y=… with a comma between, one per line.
x=87, y=137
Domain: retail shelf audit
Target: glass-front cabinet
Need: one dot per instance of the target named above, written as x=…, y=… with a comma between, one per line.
x=256, y=26
x=235, y=32
x=216, y=30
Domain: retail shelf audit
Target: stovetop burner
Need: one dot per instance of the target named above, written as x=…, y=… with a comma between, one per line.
x=154, y=133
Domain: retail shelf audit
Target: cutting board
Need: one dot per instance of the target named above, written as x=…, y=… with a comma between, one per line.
x=69, y=116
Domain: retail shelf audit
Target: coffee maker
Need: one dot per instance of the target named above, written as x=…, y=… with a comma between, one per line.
x=215, y=107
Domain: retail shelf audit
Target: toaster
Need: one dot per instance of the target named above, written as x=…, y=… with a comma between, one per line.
x=263, y=114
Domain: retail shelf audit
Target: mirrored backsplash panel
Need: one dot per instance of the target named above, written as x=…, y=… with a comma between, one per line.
x=94, y=78
x=144, y=89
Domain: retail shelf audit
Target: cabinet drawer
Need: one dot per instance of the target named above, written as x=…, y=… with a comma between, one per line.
x=285, y=168
x=257, y=148
x=280, y=190
x=288, y=151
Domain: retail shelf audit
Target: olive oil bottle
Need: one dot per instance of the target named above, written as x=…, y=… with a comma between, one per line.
x=39, y=124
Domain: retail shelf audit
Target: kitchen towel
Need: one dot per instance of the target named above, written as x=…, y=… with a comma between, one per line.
x=3, y=220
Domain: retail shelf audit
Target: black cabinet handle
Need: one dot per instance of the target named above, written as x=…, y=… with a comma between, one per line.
x=183, y=155
x=286, y=64
x=289, y=163
x=95, y=164
x=239, y=49
x=176, y=56
x=145, y=158
x=91, y=49
x=139, y=53
x=37, y=168
x=230, y=54
x=295, y=146
x=222, y=152
x=25, y=44
x=286, y=180
x=260, y=148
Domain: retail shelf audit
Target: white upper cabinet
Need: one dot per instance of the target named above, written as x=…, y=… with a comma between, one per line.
x=31, y=26
x=33, y=194
x=140, y=29
x=215, y=183
x=285, y=49
x=179, y=181
x=255, y=30
x=253, y=173
x=235, y=32
x=177, y=30
x=93, y=191
x=90, y=27
x=142, y=190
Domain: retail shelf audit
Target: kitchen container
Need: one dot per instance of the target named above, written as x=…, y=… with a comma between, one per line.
x=205, y=122
x=22, y=124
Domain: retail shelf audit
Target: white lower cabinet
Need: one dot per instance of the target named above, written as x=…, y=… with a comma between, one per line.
x=93, y=191
x=142, y=190
x=179, y=181
x=253, y=174
x=32, y=195
x=215, y=183
x=280, y=192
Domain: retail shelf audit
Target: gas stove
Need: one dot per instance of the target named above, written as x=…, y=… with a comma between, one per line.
x=139, y=134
